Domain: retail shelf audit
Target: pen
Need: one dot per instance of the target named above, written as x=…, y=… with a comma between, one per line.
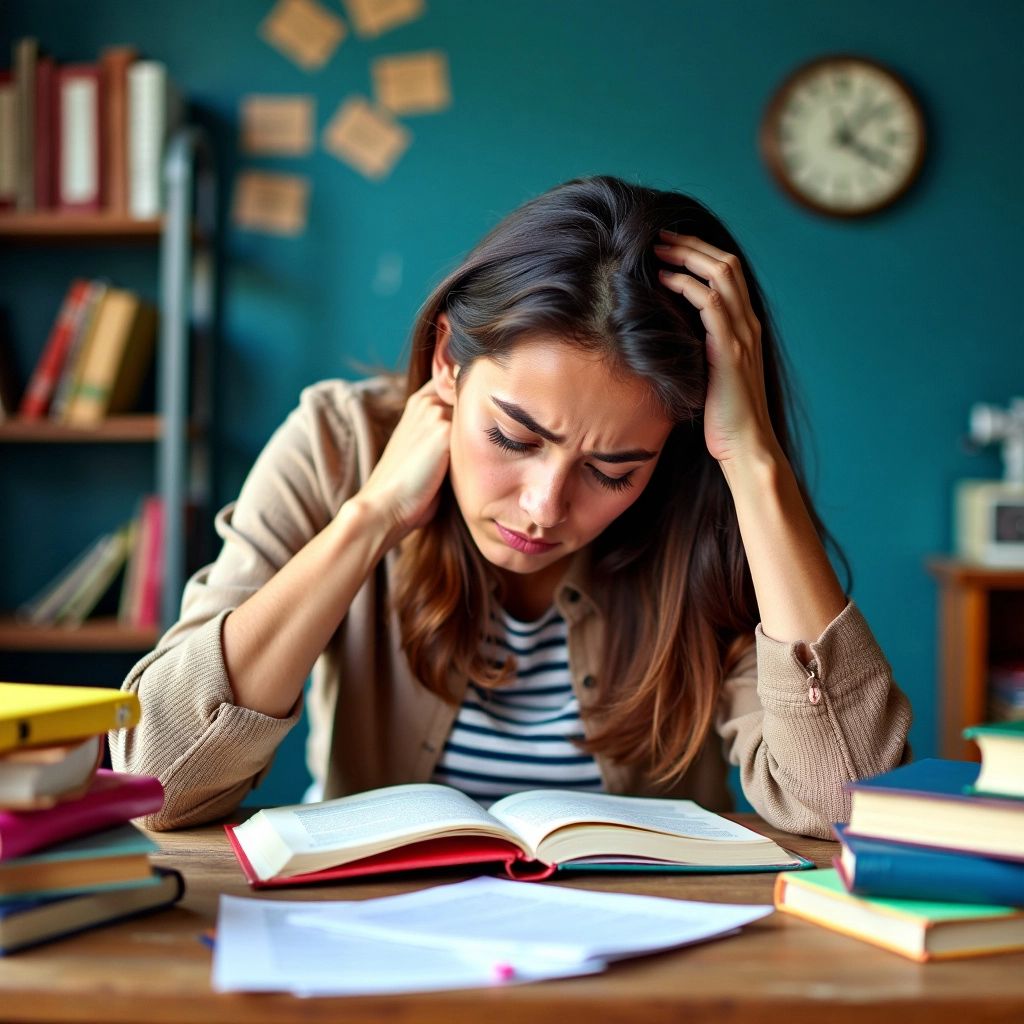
x=503, y=971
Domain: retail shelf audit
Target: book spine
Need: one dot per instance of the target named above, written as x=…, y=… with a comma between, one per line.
x=151, y=110
x=26, y=52
x=41, y=387
x=45, y=109
x=97, y=583
x=80, y=172
x=66, y=724
x=43, y=609
x=8, y=142
x=79, y=350
x=112, y=800
x=114, y=64
x=151, y=582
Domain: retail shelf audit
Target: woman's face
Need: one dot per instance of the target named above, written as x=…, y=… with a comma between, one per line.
x=548, y=446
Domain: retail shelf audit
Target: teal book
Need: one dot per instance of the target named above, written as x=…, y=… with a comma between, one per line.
x=1002, y=758
x=878, y=867
x=919, y=929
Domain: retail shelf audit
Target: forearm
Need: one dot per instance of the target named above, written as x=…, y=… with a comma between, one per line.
x=272, y=640
x=797, y=591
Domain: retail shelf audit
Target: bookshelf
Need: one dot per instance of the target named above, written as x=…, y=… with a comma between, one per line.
x=179, y=429
x=981, y=611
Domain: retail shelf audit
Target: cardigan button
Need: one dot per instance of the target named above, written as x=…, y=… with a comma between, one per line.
x=572, y=595
x=589, y=682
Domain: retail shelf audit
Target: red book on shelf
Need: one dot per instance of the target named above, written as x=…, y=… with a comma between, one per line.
x=151, y=576
x=112, y=799
x=79, y=137
x=114, y=64
x=45, y=166
x=35, y=403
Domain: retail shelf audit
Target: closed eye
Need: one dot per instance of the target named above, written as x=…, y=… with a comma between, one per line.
x=612, y=483
x=507, y=443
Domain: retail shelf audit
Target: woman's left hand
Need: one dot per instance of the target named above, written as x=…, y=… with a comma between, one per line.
x=736, y=419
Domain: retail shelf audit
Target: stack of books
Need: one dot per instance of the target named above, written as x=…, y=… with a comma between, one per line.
x=85, y=136
x=931, y=864
x=70, y=859
x=132, y=553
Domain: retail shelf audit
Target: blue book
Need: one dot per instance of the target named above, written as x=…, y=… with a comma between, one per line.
x=880, y=868
x=25, y=923
x=929, y=803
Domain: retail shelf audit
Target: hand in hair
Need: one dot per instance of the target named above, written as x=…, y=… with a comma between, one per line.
x=404, y=486
x=736, y=419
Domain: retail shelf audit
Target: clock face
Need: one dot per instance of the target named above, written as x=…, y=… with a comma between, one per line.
x=843, y=136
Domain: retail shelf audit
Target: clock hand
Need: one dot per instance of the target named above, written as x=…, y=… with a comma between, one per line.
x=878, y=157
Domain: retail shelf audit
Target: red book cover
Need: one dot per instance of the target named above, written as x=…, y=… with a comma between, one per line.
x=79, y=137
x=45, y=165
x=152, y=575
x=113, y=799
x=35, y=403
x=444, y=852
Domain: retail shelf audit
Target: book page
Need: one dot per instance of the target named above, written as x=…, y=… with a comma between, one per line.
x=538, y=813
x=360, y=825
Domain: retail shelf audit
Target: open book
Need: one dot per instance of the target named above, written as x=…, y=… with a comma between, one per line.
x=533, y=834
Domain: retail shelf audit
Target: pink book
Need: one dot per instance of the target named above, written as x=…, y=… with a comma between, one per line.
x=152, y=575
x=112, y=799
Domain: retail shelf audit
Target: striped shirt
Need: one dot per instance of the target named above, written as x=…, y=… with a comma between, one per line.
x=520, y=735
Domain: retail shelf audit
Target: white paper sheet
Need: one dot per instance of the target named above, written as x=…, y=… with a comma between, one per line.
x=259, y=948
x=527, y=925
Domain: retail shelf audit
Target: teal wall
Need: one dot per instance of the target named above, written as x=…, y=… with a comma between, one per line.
x=894, y=325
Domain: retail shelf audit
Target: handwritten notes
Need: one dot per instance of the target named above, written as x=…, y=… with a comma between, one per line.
x=303, y=30
x=413, y=83
x=366, y=137
x=374, y=17
x=277, y=204
x=278, y=125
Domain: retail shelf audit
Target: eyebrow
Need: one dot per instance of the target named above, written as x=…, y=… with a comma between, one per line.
x=521, y=416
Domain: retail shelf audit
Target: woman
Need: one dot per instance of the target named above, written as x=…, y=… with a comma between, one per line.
x=578, y=554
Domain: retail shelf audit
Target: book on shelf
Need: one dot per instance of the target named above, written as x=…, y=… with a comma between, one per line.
x=42, y=385
x=113, y=799
x=139, y=606
x=916, y=929
x=44, y=131
x=76, y=356
x=114, y=64
x=25, y=55
x=106, y=858
x=530, y=834
x=26, y=923
x=35, y=714
x=930, y=803
x=155, y=112
x=8, y=142
x=882, y=868
x=78, y=144
x=1002, y=758
x=114, y=364
x=35, y=777
x=10, y=379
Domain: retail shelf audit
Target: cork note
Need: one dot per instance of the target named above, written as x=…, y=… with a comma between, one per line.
x=366, y=137
x=374, y=17
x=303, y=30
x=277, y=125
x=413, y=83
x=277, y=204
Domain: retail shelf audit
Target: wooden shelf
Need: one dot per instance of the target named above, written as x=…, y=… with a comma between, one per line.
x=56, y=225
x=132, y=428
x=93, y=635
x=992, y=577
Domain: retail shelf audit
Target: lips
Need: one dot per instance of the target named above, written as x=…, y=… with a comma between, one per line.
x=522, y=543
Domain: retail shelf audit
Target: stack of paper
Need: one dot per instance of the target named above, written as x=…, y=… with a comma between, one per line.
x=477, y=933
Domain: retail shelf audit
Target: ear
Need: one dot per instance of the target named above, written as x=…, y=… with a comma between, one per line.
x=443, y=368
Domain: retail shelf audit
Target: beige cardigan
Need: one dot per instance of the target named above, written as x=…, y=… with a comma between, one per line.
x=372, y=724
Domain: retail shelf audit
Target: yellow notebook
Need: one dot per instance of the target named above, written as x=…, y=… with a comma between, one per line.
x=32, y=714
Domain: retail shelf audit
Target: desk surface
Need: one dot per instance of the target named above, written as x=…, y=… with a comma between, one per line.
x=781, y=969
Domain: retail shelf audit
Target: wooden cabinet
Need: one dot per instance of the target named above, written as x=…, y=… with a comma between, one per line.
x=981, y=624
x=178, y=429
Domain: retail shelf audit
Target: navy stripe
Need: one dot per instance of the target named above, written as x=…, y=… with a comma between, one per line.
x=545, y=666
x=508, y=737
x=477, y=706
x=501, y=755
x=532, y=781
x=532, y=630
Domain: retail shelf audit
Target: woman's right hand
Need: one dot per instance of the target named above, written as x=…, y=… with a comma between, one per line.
x=404, y=485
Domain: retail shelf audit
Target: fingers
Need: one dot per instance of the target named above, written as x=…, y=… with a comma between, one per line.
x=721, y=270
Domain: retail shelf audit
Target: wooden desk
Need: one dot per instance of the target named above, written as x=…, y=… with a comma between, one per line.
x=782, y=970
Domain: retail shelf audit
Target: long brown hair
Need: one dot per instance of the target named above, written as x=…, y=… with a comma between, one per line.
x=671, y=573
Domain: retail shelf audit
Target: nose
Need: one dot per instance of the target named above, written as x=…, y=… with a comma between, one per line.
x=544, y=497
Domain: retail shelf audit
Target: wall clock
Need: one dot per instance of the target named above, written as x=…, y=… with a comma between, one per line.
x=843, y=136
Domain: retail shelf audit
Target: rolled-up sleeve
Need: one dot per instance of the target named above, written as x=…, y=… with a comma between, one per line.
x=799, y=732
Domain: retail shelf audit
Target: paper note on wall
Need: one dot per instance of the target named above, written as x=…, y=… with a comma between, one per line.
x=277, y=125
x=275, y=203
x=413, y=83
x=303, y=30
x=373, y=17
x=366, y=137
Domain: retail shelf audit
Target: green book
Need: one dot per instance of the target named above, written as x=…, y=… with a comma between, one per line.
x=918, y=929
x=1002, y=758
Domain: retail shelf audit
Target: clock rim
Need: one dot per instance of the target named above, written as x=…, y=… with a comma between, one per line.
x=771, y=150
